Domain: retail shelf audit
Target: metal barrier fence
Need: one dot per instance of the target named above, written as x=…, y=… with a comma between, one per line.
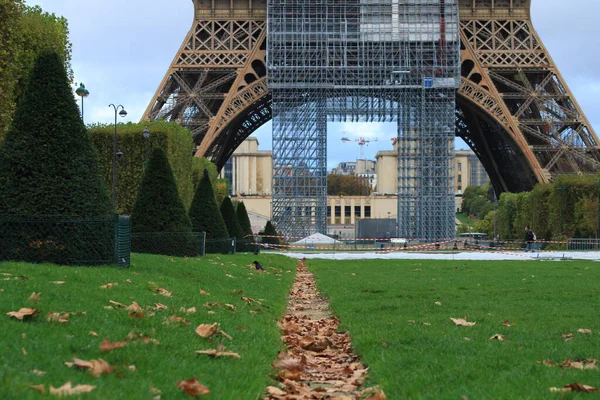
x=62, y=240
x=221, y=246
x=180, y=244
x=583, y=244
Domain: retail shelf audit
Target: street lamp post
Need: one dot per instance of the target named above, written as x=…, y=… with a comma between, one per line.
x=82, y=92
x=146, y=134
x=122, y=113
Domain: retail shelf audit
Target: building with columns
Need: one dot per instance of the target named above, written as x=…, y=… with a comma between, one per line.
x=249, y=171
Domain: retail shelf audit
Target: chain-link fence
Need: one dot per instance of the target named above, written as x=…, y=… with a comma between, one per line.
x=61, y=240
x=180, y=244
x=221, y=246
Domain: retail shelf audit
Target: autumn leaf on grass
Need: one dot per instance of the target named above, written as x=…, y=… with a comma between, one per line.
x=68, y=390
x=135, y=311
x=230, y=307
x=94, y=367
x=92, y=333
x=39, y=388
x=215, y=353
x=574, y=387
x=136, y=337
x=590, y=363
x=23, y=314
x=38, y=372
x=175, y=318
x=193, y=387
x=188, y=310
x=59, y=282
x=61, y=317
x=34, y=297
x=290, y=328
x=106, y=345
x=159, y=307
x=207, y=330
x=585, y=331
x=109, y=285
x=462, y=322
x=117, y=304
x=437, y=303
x=567, y=336
x=507, y=324
x=498, y=337
x=273, y=391
x=290, y=363
x=202, y=292
x=373, y=393
x=164, y=292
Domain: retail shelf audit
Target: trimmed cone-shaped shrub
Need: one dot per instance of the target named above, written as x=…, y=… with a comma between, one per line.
x=206, y=217
x=49, y=167
x=231, y=222
x=269, y=232
x=244, y=220
x=159, y=221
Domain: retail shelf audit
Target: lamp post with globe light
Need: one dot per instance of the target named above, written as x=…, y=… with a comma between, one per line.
x=116, y=153
x=82, y=92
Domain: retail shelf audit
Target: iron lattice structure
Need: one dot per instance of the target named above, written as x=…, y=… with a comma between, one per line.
x=513, y=107
x=363, y=60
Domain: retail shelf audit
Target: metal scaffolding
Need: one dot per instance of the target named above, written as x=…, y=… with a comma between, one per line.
x=363, y=60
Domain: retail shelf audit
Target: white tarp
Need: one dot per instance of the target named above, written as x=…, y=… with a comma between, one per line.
x=318, y=238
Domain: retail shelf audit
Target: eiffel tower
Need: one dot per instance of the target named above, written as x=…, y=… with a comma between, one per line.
x=514, y=109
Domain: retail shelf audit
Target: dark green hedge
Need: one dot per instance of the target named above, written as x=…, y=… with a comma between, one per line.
x=174, y=139
x=566, y=208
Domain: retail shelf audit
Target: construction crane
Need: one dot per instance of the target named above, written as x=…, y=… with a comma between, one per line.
x=362, y=142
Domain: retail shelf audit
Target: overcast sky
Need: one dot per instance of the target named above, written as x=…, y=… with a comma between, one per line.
x=122, y=50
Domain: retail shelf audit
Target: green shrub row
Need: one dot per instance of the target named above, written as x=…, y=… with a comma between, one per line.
x=174, y=139
x=568, y=207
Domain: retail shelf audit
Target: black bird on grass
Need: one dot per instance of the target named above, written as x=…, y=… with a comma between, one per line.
x=258, y=266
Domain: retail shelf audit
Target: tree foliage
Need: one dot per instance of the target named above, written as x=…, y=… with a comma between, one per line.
x=206, y=216
x=347, y=185
x=231, y=222
x=174, y=139
x=244, y=220
x=159, y=215
x=270, y=234
x=26, y=33
x=478, y=201
x=49, y=167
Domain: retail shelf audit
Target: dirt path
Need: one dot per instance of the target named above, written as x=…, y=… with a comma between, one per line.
x=318, y=362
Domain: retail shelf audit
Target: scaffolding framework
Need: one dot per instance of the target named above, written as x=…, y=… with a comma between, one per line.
x=363, y=60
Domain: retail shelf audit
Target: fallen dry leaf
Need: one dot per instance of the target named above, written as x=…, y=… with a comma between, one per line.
x=462, y=322
x=230, y=307
x=507, y=324
x=106, y=345
x=131, y=368
x=206, y=330
x=590, y=363
x=61, y=317
x=202, y=292
x=23, y=314
x=497, y=336
x=585, y=331
x=34, y=297
x=23, y=351
x=128, y=281
x=228, y=275
x=216, y=353
x=92, y=333
x=437, y=303
x=134, y=307
x=159, y=307
x=68, y=390
x=188, y=310
x=164, y=292
x=574, y=387
x=273, y=391
x=109, y=285
x=193, y=387
x=94, y=367
x=38, y=372
x=59, y=282
x=39, y=388
x=377, y=394
x=567, y=336
x=175, y=318
x=117, y=304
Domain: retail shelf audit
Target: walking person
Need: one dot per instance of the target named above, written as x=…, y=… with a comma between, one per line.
x=530, y=239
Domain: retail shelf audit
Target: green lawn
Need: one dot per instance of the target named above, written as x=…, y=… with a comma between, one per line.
x=386, y=305
x=48, y=345
x=463, y=218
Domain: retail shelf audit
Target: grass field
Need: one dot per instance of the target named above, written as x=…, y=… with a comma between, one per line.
x=45, y=346
x=387, y=307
